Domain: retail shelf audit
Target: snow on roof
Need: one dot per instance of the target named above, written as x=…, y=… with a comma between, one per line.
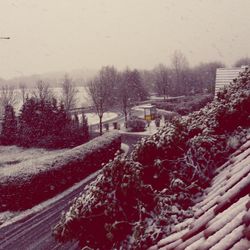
x=222, y=219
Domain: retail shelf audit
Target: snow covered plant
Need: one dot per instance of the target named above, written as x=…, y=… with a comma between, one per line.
x=109, y=208
x=137, y=199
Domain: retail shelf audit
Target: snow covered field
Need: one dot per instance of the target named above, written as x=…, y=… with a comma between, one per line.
x=12, y=155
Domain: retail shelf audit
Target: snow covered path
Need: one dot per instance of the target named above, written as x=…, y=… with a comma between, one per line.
x=93, y=118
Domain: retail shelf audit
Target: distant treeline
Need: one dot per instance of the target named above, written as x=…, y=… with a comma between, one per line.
x=42, y=120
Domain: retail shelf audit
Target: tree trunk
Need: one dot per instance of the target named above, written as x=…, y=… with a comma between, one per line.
x=100, y=124
x=126, y=117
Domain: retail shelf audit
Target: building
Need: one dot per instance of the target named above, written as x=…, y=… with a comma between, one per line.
x=224, y=76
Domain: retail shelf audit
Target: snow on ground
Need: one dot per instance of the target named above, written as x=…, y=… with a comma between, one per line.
x=12, y=155
x=8, y=217
x=94, y=118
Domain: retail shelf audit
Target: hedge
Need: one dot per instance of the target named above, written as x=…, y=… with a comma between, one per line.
x=26, y=185
x=185, y=105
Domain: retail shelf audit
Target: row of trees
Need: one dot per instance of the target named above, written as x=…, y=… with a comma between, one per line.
x=42, y=121
x=42, y=91
x=110, y=89
x=180, y=79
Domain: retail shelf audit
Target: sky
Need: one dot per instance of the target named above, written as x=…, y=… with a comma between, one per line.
x=62, y=35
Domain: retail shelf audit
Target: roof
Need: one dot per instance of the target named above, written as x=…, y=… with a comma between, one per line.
x=222, y=218
x=147, y=106
x=225, y=76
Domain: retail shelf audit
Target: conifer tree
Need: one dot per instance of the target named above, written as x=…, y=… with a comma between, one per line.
x=9, y=129
x=85, y=127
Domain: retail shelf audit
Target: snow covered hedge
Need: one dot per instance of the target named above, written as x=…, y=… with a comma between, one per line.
x=23, y=185
x=135, y=200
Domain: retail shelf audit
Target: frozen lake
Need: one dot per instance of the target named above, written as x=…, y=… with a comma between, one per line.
x=82, y=96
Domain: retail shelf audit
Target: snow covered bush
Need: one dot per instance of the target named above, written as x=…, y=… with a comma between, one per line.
x=110, y=207
x=185, y=105
x=142, y=195
x=30, y=182
x=136, y=124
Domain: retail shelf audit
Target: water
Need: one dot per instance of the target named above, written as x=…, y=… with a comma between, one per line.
x=82, y=97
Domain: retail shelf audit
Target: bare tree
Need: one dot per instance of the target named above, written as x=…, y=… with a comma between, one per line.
x=179, y=66
x=101, y=89
x=148, y=78
x=23, y=89
x=129, y=90
x=42, y=91
x=108, y=76
x=124, y=95
x=7, y=97
x=99, y=97
x=204, y=76
x=69, y=93
x=162, y=80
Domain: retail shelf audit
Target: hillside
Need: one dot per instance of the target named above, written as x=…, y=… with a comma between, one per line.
x=137, y=200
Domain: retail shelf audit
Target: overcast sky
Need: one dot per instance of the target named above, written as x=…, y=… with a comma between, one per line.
x=60, y=35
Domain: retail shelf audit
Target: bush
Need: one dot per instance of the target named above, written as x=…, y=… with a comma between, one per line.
x=185, y=105
x=27, y=185
x=136, y=124
x=168, y=115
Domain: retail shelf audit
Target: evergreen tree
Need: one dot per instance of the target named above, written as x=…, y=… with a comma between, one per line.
x=85, y=127
x=9, y=127
x=44, y=124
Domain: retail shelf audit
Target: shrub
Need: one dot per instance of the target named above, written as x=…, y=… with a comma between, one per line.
x=168, y=115
x=121, y=192
x=136, y=124
x=185, y=105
